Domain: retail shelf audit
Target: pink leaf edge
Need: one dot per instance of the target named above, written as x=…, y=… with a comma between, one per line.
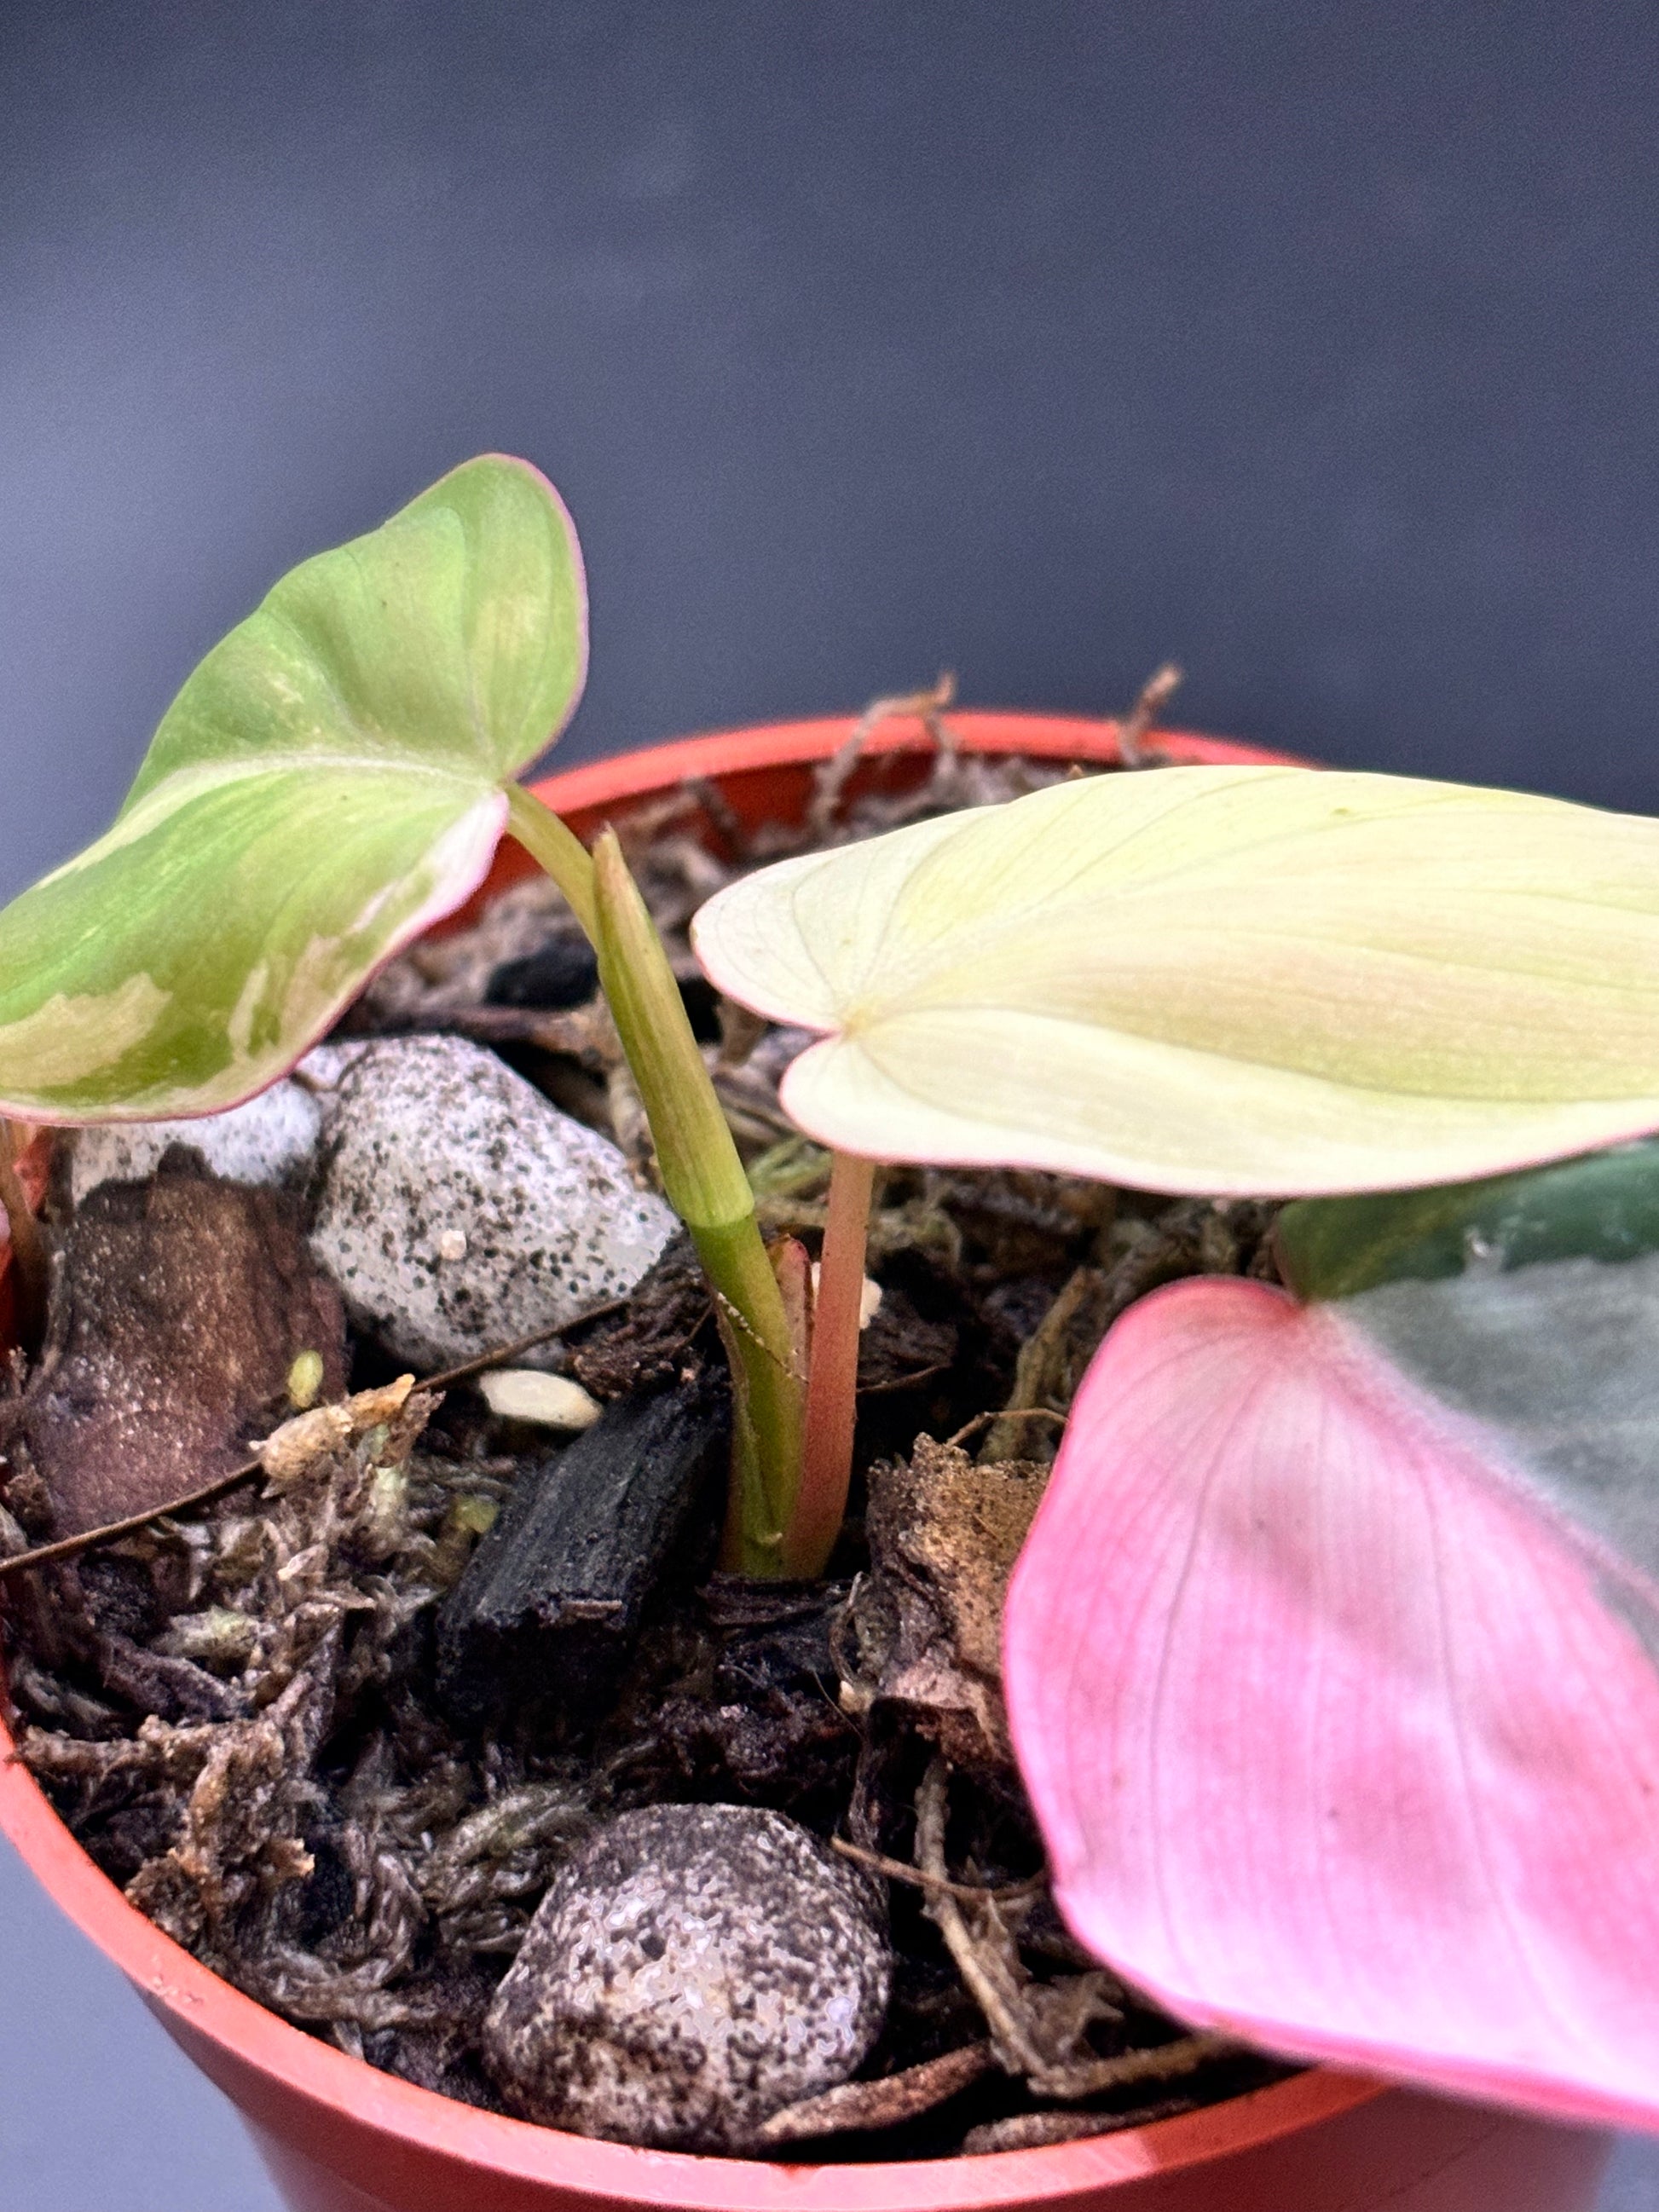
x=1335, y=1744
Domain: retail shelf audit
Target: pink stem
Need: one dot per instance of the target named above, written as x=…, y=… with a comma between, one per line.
x=832, y=1377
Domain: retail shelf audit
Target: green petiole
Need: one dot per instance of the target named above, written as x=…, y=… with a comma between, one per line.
x=702, y=1177
x=555, y=847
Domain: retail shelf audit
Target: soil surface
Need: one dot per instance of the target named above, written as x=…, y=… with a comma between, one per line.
x=260, y=1717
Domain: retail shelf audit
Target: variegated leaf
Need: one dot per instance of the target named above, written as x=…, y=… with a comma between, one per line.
x=1218, y=980
x=1331, y=1659
x=327, y=784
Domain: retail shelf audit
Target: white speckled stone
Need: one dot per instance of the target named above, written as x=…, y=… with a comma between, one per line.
x=272, y=1140
x=459, y=1210
x=691, y=1971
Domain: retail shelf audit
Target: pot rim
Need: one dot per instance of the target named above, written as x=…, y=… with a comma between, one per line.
x=212, y=2011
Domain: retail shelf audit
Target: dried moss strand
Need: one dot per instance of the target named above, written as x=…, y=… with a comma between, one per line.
x=982, y=1420
x=1165, y=2062
x=987, y=1980
x=1136, y=727
x=986, y=1976
x=969, y=1892
x=68, y=1548
x=1036, y=2130
x=1034, y=1373
x=830, y=779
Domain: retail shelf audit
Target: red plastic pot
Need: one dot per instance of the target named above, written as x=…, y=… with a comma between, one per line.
x=340, y=2138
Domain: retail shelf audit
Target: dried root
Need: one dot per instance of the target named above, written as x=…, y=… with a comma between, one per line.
x=880, y=2104
x=1039, y=2030
x=1036, y=2130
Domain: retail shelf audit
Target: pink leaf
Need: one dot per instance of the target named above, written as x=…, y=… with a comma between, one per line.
x=1336, y=1741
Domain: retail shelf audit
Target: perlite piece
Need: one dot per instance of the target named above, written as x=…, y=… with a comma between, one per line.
x=270, y=1140
x=460, y=1210
x=542, y=1401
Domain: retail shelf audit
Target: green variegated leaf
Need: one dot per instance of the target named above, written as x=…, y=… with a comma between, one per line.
x=1527, y=1304
x=1603, y=1207
x=327, y=784
x=1218, y=980
x=1333, y=1657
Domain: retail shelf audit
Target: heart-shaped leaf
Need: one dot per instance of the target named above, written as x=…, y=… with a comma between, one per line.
x=1218, y=980
x=327, y=783
x=1331, y=1657
x=1604, y=1206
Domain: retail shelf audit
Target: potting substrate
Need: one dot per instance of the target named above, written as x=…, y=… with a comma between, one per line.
x=437, y=1732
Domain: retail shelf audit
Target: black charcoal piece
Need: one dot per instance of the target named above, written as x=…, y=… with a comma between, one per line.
x=565, y=972
x=551, y=1601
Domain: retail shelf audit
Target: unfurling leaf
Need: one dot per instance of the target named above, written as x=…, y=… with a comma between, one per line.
x=327, y=784
x=1218, y=980
x=1331, y=1658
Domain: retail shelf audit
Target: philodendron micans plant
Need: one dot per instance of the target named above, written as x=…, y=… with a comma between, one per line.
x=332, y=779
x=1330, y=1657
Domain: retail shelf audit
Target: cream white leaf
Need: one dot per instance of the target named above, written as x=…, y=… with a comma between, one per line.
x=1219, y=980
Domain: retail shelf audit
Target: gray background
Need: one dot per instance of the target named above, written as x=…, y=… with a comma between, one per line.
x=1314, y=346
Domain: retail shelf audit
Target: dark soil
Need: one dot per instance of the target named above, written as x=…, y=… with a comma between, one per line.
x=247, y=1717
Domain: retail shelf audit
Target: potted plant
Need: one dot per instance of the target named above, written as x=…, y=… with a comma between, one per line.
x=379, y=706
